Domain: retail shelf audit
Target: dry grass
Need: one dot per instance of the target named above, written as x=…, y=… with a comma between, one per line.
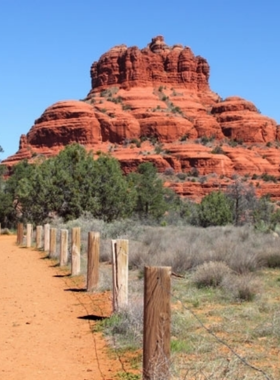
x=211, y=273
x=5, y=231
x=239, y=304
x=244, y=287
x=242, y=248
x=204, y=316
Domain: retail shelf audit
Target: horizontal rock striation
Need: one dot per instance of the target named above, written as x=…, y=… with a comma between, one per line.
x=155, y=104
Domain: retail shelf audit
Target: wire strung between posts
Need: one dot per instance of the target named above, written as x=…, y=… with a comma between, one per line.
x=221, y=341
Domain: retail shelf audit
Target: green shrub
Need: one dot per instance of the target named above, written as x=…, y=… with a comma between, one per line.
x=150, y=192
x=109, y=92
x=194, y=172
x=126, y=107
x=153, y=140
x=215, y=210
x=202, y=179
x=69, y=184
x=136, y=142
x=218, y=150
x=268, y=178
x=206, y=139
x=143, y=138
x=159, y=148
x=103, y=93
x=234, y=142
x=169, y=171
x=184, y=137
x=177, y=110
x=182, y=176
x=116, y=100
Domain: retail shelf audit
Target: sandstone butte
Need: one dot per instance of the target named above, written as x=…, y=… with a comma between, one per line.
x=155, y=104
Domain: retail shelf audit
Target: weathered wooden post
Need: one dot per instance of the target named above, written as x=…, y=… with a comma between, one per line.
x=76, y=251
x=120, y=273
x=157, y=321
x=47, y=237
x=20, y=233
x=63, y=247
x=53, y=242
x=29, y=230
x=93, y=260
x=39, y=231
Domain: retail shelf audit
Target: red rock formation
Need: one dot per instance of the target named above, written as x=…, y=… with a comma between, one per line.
x=161, y=94
x=155, y=65
x=240, y=120
x=63, y=123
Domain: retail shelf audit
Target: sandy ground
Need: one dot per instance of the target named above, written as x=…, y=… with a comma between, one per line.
x=46, y=320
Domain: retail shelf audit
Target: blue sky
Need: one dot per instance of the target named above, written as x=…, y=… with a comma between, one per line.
x=47, y=48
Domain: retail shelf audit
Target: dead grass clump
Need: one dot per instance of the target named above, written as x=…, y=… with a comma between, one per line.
x=126, y=326
x=270, y=327
x=242, y=287
x=244, y=259
x=105, y=251
x=271, y=259
x=181, y=247
x=5, y=231
x=210, y=274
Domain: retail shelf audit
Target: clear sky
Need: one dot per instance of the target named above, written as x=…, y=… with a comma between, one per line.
x=47, y=48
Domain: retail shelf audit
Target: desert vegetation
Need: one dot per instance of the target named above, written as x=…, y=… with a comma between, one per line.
x=224, y=255
x=77, y=181
x=73, y=183
x=225, y=291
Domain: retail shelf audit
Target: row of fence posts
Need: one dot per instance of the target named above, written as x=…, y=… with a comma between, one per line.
x=157, y=288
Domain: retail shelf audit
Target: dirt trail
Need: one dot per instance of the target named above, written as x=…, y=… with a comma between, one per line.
x=45, y=322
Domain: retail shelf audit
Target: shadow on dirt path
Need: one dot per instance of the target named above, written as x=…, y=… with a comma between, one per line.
x=46, y=321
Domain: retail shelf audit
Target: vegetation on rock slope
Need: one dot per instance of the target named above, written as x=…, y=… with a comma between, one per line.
x=73, y=183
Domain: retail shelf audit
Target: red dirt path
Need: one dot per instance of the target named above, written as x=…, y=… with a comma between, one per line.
x=45, y=324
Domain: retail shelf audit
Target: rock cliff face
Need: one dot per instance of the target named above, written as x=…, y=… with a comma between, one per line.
x=155, y=104
x=157, y=64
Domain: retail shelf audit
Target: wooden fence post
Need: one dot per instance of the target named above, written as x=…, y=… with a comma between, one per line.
x=93, y=260
x=120, y=273
x=20, y=233
x=76, y=251
x=157, y=321
x=47, y=237
x=29, y=230
x=63, y=247
x=53, y=242
x=39, y=231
